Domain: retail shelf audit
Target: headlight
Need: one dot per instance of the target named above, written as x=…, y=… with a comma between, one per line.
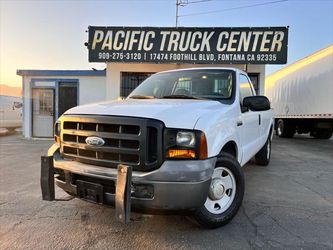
x=185, y=144
x=185, y=139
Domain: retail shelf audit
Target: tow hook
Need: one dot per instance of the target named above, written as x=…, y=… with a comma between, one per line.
x=123, y=193
x=124, y=187
x=47, y=178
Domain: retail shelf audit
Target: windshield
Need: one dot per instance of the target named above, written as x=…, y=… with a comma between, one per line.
x=197, y=84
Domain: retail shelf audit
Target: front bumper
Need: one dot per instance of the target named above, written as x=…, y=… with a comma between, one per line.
x=176, y=185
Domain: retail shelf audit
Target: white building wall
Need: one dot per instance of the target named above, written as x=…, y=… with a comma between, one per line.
x=26, y=111
x=113, y=73
x=91, y=89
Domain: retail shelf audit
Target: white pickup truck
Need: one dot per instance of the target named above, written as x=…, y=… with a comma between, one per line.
x=177, y=143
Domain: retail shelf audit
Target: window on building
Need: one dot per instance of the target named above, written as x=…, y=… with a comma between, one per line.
x=245, y=87
x=130, y=80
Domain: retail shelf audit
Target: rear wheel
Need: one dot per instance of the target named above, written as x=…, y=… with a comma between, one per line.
x=322, y=134
x=225, y=193
x=285, y=129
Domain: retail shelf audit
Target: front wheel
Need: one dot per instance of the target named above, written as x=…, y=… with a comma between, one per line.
x=225, y=194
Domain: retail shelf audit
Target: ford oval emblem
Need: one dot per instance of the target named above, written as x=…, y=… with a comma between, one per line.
x=95, y=141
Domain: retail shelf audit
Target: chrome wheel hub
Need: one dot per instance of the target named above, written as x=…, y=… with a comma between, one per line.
x=279, y=130
x=216, y=190
x=222, y=191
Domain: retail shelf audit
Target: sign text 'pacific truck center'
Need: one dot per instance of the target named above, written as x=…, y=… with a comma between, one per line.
x=188, y=45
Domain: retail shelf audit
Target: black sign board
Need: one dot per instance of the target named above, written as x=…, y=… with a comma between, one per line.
x=261, y=45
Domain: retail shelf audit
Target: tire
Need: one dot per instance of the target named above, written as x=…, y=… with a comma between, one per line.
x=264, y=155
x=284, y=129
x=218, y=212
x=322, y=134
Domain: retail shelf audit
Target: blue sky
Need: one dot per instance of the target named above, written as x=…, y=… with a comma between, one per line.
x=51, y=34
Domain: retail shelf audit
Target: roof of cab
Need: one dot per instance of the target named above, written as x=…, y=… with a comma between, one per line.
x=202, y=68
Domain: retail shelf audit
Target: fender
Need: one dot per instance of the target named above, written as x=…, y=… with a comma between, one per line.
x=270, y=128
x=220, y=128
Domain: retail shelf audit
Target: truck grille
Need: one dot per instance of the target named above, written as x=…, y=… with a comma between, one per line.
x=131, y=141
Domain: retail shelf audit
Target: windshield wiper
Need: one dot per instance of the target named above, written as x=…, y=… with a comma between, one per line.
x=142, y=97
x=179, y=97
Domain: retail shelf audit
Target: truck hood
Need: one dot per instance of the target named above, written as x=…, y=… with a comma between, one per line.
x=175, y=113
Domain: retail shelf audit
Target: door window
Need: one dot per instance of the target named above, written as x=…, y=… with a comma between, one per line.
x=45, y=103
x=244, y=88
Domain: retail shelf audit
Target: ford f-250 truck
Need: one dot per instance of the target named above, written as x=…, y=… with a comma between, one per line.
x=177, y=143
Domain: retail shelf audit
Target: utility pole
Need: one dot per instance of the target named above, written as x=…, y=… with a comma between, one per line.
x=184, y=3
x=177, y=6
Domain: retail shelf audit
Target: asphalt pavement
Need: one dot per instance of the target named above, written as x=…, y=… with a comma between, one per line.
x=287, y=205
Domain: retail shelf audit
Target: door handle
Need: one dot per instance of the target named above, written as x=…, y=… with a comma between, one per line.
x=259, y=119
x=239, y=123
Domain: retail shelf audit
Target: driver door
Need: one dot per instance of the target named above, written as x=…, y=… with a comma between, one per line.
x=248, y=122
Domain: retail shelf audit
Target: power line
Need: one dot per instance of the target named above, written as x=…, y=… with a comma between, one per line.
x=197, y=1
x=234, y=8
x=183, y=3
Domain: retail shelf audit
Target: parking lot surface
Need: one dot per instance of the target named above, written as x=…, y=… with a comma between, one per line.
x=288, y=204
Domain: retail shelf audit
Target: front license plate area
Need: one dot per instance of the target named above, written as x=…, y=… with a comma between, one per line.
x=90, y=191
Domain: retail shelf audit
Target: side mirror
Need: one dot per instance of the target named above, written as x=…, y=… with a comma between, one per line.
x=257, y=103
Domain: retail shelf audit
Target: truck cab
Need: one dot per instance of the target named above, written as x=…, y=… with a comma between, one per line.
x=177, y=143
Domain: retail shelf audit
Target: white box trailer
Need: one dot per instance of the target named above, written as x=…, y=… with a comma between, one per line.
x=10, y=112
x=301, y=95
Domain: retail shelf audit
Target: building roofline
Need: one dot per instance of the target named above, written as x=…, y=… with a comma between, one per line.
x=28, y=72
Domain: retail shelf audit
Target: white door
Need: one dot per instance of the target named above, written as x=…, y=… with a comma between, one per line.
x=248, y=122
x=250, y=134
x=42, y=112
x=264, y=126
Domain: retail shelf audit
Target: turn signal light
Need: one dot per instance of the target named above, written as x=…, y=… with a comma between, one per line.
x=181, y=154
x=57, y=139
x=203, y=147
